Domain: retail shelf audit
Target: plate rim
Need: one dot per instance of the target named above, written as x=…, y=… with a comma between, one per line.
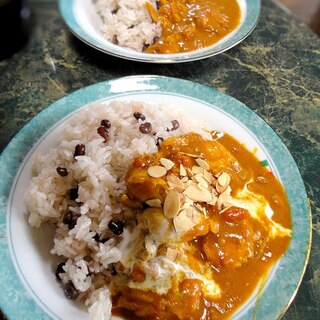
x=161, y=82
x=253, y=9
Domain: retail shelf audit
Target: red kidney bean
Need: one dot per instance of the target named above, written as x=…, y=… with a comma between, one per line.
x=70, y=291
x=80, y=150
x=159, y=141
x=62, y=172
x=116, y=226
x=175, y=125
x=70, y=219
x=145, y=128
x=103, y=131
x=105, y=123
x=60, y=270
x=73, y=193
x=139, y=115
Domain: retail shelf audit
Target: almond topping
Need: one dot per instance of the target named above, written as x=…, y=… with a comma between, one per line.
x=185, y=179
x=214, y=199
x=186, y=204
x=189, y=172
x=192, y=155
x=156, y=203
x=168, y=164
x=223, y=179
x=175, y=182
x=201, y=181
x=196, y=170
x=182, y=222
x=183, y=171
x=209, y=177
x=171, y=204
x=224, y=200
x=197, y=193
x=203, y=164
x=156, y=171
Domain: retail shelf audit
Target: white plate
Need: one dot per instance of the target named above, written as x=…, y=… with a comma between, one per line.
x=29, y=289
x=85, y=23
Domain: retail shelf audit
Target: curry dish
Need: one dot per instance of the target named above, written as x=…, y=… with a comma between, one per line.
x=188, y=25
x=211, y=221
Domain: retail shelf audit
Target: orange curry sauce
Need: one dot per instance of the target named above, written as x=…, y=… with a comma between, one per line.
x=188, y=25
x=233, y=246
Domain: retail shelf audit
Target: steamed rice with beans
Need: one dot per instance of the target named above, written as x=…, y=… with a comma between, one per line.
x=78, y=184
x=128, y=23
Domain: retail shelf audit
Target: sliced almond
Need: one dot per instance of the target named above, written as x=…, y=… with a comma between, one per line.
x=209, y=177
x=189, y=183
x=171, y=204
x=197, y=169
x=203, y=164
x=172, y=254
x=224, y=179
x=168, y=164
x=226, y=207
x=227, y=190
x=182, y=222
x=200, y=209
x=182, y=171
x=156, y=171
x=224, y=200
x=201, y=181
x=192, y=155
x=156, y=203
x=174, y=182
x=193, y=214
x=221, y=189
x=185, y=179
x=186, y=204
x=214, y=199
x=197, y=193
x=189, y=172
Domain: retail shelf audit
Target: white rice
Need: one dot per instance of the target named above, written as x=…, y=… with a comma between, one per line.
x=100, y=176
x=127, y=22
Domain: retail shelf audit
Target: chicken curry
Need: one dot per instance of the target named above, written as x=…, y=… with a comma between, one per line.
x=211, y=221
x=192, y=24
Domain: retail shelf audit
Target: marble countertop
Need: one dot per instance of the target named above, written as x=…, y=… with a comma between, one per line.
x=275, y=72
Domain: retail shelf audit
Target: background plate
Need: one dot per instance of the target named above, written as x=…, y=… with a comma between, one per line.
x=28, y=286
x=84, y=23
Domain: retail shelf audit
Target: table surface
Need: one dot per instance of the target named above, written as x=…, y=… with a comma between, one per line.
x=275, y=72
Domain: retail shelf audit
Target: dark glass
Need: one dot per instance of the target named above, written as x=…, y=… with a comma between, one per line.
x=14, y=16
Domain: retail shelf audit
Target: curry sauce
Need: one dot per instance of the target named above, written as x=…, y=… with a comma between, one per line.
x=216, y=263
x=193, y=24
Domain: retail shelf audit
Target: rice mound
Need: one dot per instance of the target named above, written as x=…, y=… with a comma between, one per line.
x=100, y=178
x=127, y=23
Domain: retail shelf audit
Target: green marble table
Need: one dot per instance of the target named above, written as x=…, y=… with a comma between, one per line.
x=275, y=72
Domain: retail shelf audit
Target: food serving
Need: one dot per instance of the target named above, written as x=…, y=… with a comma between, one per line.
x=167, y=26
x=154, y=212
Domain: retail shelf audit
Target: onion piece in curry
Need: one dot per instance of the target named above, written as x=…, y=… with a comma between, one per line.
x=189, y=25
x=211, y=221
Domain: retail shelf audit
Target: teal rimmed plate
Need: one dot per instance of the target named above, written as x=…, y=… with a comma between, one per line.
x=83, y=22
x=28, y=286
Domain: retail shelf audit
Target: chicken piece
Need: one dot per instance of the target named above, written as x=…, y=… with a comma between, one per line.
x=159, y=227
x=142, y=187
x=213, y=152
